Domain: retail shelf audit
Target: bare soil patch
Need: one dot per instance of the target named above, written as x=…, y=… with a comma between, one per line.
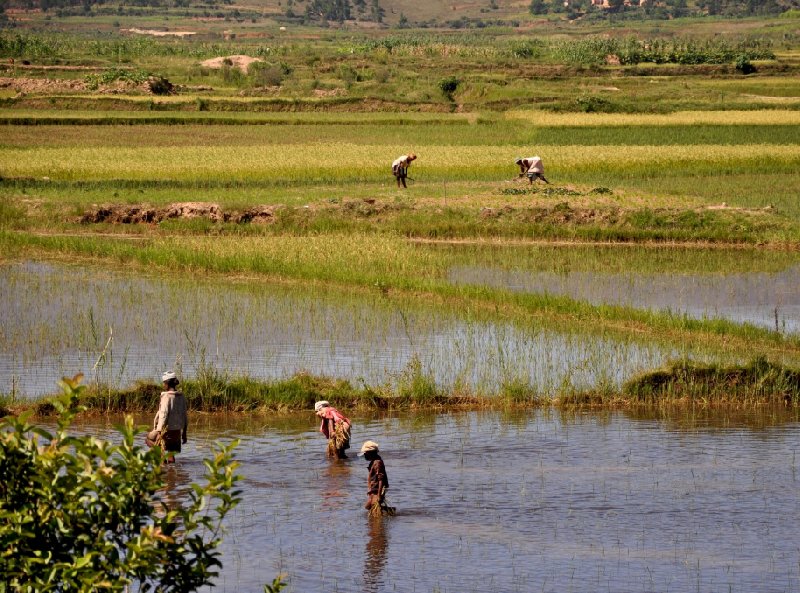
x=41, y=86
x=242, y=62
x=156, y=33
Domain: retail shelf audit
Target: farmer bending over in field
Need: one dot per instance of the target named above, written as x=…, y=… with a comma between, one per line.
x=532, y=167
x=400, y=167
x=377, y=481
x=335, y=427
x=171, y=421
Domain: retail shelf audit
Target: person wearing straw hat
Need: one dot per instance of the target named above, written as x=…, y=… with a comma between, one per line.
x=171, y=423
x=336, y=428
x=532, y=167
x=377, y=480
x=400, y=167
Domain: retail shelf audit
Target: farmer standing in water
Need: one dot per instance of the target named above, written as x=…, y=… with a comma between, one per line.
x=377, y=481
x=172, y=419
x=336, y=428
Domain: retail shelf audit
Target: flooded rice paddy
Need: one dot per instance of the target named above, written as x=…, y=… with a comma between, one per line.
x=57, y=321
x=487, y=501
x=742, y=286
x=514, y=502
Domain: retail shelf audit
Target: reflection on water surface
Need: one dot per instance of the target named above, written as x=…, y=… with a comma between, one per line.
x=518, y=501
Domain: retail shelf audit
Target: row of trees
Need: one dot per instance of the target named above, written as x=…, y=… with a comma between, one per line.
x=324, y=11
x=665, y=8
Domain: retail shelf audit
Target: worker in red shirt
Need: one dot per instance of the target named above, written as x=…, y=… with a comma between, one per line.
x=336, y=428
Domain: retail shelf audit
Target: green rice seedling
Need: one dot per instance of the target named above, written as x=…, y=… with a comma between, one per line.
x=757, y=381
x=518, y=390
x=11, y=215
x=415, y=386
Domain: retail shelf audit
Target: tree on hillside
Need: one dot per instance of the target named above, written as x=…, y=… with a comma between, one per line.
x=537, y=7
x=328, y=10
x=376, y=13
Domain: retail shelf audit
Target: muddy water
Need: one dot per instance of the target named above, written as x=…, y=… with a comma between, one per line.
x=57, y=321
x=520, y=502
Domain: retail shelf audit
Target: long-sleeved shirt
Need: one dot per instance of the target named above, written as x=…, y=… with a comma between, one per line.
x=172, y=412
x=377, y=480
x=330, y=418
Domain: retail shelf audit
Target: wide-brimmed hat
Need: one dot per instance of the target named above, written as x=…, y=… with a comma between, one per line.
x=368, y=446
x=168, y=376
x=518, y=160
x=321, y=404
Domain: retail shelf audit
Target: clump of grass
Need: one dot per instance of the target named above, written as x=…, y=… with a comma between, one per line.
x=517, y=390
x=7, y=403
x=11, y=215
x=214, y=391
x=758, y=381
x=416, y=387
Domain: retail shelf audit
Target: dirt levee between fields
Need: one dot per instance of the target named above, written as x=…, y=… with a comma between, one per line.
x=144, y=214
x=41, y=85
x=34, y=86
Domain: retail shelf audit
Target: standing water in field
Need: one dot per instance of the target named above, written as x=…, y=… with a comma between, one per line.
x=515, y=501
x=740, y=285
x=117, y=328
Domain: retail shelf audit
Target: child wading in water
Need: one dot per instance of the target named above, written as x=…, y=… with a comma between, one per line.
x=336, y=428
x=377, y=482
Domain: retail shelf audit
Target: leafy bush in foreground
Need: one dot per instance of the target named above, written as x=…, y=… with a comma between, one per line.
x=79, y=514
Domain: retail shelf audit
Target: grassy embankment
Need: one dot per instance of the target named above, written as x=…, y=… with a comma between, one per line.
x=682, y=383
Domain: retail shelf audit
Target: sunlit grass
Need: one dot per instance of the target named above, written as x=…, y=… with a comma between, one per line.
x=342, y=162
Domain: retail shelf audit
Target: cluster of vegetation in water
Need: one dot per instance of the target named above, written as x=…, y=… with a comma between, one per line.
x=211, y=390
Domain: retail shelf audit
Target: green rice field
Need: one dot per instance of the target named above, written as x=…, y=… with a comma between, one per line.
x=291, y=183
x=581, y=385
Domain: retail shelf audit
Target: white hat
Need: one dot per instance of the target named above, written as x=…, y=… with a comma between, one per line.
x=518, y=160
x=321, y=404
x=169, y=375
x=368, y=446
